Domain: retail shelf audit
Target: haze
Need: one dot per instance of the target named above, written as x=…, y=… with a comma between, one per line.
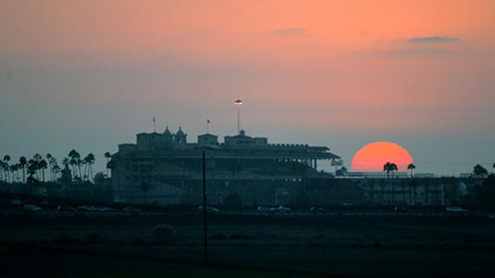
x=89, y=75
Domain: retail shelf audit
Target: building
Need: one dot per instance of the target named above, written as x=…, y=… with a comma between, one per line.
x=163, y=165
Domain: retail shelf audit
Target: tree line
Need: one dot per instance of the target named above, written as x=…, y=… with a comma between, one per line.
x=478, y=170
x=35, y=169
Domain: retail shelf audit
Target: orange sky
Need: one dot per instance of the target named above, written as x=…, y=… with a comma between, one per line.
x=345, y=67
x=233, y=30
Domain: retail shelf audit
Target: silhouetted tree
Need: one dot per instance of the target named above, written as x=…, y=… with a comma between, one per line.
x=2, y=167
x=344, y=170
x=111, y=164
x=411, y=167
x=108, y=156
x=341, y=172
x=65, y=162
x=23, y=163
x=390, y=167
x=32, y=169
x=42, y=166
x=55, y=170
x=37, y=158
x=89, y=160
x=479, y=171
x=75, y=162
x=48, y=158
x=6, y=167
x=52, y=162
x=13, y=169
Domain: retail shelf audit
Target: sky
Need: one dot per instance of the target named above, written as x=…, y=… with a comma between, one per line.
x=89, y=75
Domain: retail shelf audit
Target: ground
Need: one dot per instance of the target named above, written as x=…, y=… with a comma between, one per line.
x=124, y=245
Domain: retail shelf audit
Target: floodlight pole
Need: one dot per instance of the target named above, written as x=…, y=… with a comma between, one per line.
x=238, y=103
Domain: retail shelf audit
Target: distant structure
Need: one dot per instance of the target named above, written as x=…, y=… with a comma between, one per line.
x=166, y=162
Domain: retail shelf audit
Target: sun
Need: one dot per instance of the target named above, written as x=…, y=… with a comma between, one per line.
x=373, y=156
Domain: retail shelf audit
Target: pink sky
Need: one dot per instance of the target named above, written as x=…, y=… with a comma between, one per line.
x=335, y=73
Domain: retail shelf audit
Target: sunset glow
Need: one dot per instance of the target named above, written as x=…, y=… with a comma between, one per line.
x=372, y=157
x=342, y=73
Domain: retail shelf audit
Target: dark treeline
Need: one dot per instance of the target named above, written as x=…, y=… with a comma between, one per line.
x=47, y=168
x=42, y=177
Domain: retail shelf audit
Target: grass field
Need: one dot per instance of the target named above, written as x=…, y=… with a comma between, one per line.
x=78, y=245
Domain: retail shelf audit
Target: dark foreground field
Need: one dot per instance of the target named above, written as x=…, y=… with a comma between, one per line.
x=125, y=245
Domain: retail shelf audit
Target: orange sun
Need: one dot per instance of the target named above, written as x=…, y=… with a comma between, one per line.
x=373, y=156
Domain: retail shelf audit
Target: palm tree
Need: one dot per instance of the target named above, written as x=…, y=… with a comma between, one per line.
x=108, y=156
x=42, y=166
x=65, y=162
x=411, y=167
x=23, y=162
x=111, y=164
x=52, y=162
x=341, y=172
x=2, y=170
x=18, y=167
x=32, y=168
x=37, y=157
x=6, y=167
x=89, y=160
x=13, y=169
x=479, y=171
x=75, y=161
x=390, y=167
x=55, y=170
x=48, y=158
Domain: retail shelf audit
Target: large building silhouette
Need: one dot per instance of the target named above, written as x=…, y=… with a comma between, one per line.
x=165, y=162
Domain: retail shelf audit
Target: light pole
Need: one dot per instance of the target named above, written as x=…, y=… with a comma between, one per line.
x=238, y=103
